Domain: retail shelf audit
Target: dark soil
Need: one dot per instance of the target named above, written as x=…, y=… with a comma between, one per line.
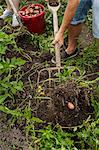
x=11, y=138
x=53, y=3
x=1, y=23
x=56, y=110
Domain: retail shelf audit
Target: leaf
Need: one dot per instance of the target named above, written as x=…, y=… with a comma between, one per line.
x=96, y=131
x=12, y=112
x=12, y=66
x=19, y=86
x=93, y=81
x=97, y=91
x=5, y=85
x=97, y=73
x=75, y=129
x=71, y=69
x=17, y=61
x=2, y=49
x=1, y=66
x=2, y=98
x=37, y=120
x=16, y=86
x=13, y=90
x=83, y=84
x=20, y=62
x=63, y=148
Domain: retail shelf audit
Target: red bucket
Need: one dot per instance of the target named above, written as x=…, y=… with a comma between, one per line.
x=34, y=23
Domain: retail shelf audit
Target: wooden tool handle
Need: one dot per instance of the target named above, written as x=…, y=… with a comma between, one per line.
x=57, y=49
x=55, y=22
x=57, y=55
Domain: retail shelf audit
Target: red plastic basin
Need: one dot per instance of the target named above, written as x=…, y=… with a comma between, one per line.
x=35, y=24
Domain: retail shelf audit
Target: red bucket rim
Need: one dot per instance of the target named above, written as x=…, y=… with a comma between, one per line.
x=28, y=17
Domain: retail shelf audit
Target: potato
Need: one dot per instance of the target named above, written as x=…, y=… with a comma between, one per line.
x=37, y=7
x=36, y=11
x=27, y=11
x=70, y=105
x=23, y=13
x=34, y=14
x=41, y=10
x=32, y=6
x=30, y=10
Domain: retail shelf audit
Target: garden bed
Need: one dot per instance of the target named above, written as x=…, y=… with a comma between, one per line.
x=51, y=105
x=34, y=116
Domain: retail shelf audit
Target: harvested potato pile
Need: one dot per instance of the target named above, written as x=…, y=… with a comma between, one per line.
x=32, y=10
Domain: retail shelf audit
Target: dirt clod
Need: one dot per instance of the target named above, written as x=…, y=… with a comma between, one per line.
x=68, y=108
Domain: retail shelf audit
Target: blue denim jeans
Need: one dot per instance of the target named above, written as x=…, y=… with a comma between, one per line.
x=82, y=11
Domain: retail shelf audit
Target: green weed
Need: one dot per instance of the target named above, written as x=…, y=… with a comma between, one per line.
x=8, y=85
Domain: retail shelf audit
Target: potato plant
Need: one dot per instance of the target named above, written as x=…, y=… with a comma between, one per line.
x=8, y=86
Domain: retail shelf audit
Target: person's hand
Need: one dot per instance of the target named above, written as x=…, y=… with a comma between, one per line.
x=59, y=39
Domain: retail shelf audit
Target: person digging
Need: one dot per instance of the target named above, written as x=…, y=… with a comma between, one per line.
x=74, y=17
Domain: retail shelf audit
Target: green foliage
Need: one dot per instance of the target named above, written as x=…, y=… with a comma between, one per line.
x=6, y=40
x=42, y=41
x=10, y=64
x=28, y=115
x=30, y=123
x=89, y=135
x=8, y=111
x=55, y=140
x=74, y=73
x=9, y=88
x=70, y=72
x=86, y=59
x=84, y=138
x=9, y=85
x=95, y=102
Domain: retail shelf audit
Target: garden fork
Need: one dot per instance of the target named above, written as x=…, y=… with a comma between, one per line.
x=58, y=67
